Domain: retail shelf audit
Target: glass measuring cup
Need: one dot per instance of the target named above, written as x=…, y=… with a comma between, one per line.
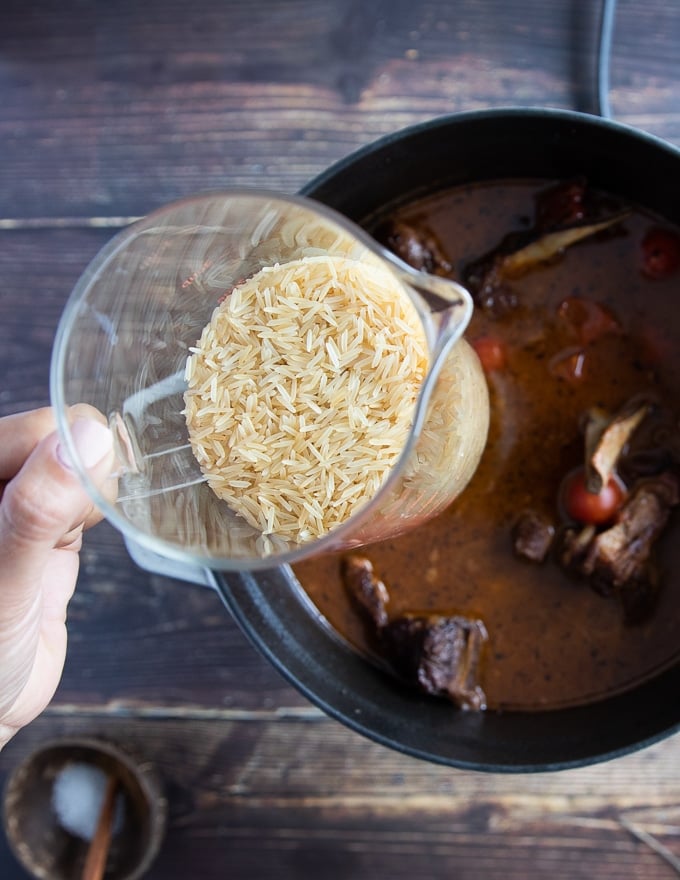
x=125, y=335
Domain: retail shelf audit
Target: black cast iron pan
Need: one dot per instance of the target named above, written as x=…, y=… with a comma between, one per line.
x=269, y=606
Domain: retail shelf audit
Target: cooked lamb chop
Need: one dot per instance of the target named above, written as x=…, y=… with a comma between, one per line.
x=438, y=654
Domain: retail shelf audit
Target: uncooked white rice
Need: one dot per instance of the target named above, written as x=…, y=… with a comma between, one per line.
x=301, y=392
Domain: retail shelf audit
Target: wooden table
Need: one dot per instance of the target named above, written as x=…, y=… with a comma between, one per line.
x=108, y=110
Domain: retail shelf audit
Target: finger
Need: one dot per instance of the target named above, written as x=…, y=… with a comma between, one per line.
x=42, y=503
x=108, y=488
x=20, y=433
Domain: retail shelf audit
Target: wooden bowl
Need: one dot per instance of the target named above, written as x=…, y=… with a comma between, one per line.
x=49, y=852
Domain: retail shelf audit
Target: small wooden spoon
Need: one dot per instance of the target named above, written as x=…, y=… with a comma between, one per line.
x=95, y=863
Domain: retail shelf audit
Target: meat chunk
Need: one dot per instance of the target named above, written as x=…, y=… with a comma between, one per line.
x=439, y=654
x=532, y=536
x=563, y=204
x=417, y=246
x=622, y=552
x=366, y=589
x=484, y=278
x=618, y=561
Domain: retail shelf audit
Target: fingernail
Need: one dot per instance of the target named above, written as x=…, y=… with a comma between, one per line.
x=92, y=442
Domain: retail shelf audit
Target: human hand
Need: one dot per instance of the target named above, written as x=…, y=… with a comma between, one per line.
x=43, y=512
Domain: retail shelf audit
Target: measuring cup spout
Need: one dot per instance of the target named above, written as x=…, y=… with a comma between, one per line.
x=445, y=305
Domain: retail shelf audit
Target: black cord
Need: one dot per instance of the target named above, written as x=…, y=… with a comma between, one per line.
x=604, y=54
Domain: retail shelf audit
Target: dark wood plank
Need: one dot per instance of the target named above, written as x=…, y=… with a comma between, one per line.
x=296, y=798
x=38, y=271
x=118, y=110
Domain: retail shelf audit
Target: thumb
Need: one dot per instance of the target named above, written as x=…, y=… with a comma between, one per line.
x=40, y=504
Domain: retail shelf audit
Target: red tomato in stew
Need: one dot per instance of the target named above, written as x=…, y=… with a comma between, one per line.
x=660, y=253
x=588, y=320
x=491, y=353
x=591, y=508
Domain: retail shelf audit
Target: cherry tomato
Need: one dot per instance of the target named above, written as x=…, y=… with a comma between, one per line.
x=591, y=508
x=587, y=319
x=491, y=353
x=660, y=253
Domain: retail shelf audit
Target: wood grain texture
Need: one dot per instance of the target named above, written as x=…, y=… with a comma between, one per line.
x=119, y=108
x=108, y=110
x=299, y=797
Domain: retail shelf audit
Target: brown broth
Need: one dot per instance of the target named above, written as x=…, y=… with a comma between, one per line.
x=552, y=640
